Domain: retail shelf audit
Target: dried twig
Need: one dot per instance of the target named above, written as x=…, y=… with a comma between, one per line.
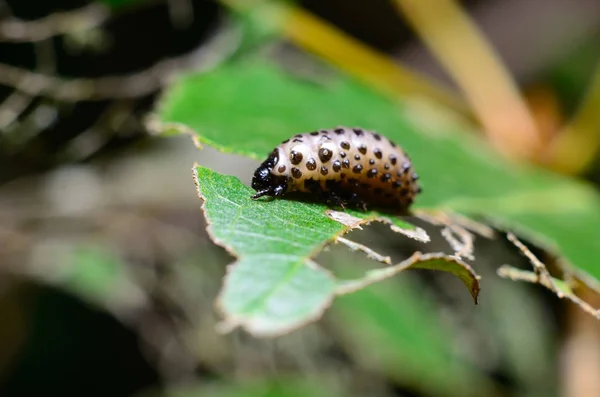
x=121, y=86
x=514, y=274
x=12, y=106
x=16, y=103
x=87, y=17
x=463, y=246
x=377, y=275
x=539, y=268
x=489, y=87
x=371, y=254
x=542, y=276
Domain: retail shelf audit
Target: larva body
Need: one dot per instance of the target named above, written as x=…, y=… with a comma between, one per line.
x=342, y=165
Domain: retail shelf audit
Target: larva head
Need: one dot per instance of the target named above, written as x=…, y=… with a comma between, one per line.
x=264, y=182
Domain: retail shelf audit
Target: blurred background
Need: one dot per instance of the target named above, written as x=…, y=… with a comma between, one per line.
x=107, y=276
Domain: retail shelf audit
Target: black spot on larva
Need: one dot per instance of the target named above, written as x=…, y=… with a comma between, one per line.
x=377, y=137
x=315, y=133
x=372, y=161
x=323, y=131
x=397, y=184
x=342, y=154
x=325, y=155
x=387, y=166
x=298, y=135
x=419, y=190
x=337, y=166
x=345, y=145
x=295, y=157
x=378, y=191
x=371, y=173
x=346, y=163
x=297, y=140
x=362, y=149
x=377, y=153
x=357, y=169
x=414, y=176
x=339, y=131
x=296, y=173
x=365, y=186
x=403, y=192
x=392, y=143
x=356, y=157
x=393, y=159
x=326, y=137
x=311, y=164
x=342, y=175
x=358, y=131
x=385, y=177
x=281, y=169
x=286, y=141
x=324, y=170
x=405, y=166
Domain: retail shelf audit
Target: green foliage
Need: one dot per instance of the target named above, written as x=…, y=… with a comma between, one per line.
x=117, y=4
x=265, y=388
x=249, y=106
x=396, y=329
x=275, y=286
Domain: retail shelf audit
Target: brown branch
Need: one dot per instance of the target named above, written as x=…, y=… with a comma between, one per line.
x=119, y=86
x=12, y=107
x=450, y=34
x=371, y=254
x=514, y=274
x=542, y=276
x=88, y=17
x=538, y=267
x=17, y=102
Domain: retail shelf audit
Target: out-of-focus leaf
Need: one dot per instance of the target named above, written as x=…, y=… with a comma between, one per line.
x=115, y=4
x=393, y=328
x=249, y=107
x=259, y=388
x=273, y=287
x=101, y=278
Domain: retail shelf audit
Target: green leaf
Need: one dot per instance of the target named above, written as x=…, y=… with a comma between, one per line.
x=250, y=106
x=100, y=277
x=280, y=387
x=275, y=286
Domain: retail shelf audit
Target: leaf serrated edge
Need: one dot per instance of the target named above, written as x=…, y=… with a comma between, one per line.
x=231, y=322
